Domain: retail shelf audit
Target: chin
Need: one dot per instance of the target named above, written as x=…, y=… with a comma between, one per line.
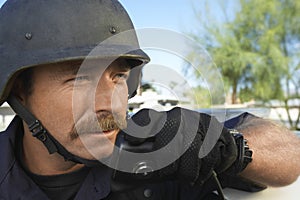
x=93, y=147
x=98, y=153
x=103, y=154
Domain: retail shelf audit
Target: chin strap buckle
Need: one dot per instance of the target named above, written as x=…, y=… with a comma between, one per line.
x=38, y=130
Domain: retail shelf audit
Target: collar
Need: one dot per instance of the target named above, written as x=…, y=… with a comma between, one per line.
x=15, y=183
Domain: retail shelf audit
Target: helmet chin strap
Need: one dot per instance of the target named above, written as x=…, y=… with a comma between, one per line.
x=39, y=132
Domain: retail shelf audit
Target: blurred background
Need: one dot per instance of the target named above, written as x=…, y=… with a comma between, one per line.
x=253, y=45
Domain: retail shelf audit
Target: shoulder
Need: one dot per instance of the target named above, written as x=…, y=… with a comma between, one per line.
x=7, y=147
x=237, y=120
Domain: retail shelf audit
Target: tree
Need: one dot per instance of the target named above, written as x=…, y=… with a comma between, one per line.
x=257, y=50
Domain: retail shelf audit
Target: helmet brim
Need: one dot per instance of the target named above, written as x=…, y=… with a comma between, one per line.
x=135, y=56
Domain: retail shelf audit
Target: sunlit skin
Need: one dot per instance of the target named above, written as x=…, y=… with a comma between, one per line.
x=68, y=102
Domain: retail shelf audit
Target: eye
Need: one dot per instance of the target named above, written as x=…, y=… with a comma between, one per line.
x=121, y=76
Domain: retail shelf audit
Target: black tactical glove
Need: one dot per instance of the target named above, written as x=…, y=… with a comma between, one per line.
x=193, y=143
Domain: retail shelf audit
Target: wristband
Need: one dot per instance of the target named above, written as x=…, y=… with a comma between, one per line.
x=244, y=152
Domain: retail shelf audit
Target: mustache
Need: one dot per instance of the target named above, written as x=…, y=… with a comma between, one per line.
x=100, y=123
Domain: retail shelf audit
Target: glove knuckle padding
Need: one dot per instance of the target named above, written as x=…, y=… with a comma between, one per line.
x=199, y=142
x=193, y=129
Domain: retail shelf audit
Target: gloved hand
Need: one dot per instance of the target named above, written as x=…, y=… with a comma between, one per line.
x=193, y=143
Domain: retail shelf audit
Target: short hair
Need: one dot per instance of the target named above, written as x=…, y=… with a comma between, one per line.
x=26, y=83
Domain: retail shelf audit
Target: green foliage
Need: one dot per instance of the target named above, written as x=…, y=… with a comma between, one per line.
x=201, y=96
x=257, y=51
x=147, y=86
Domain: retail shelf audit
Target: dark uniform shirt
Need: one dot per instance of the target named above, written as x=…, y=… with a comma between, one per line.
x=16, y=183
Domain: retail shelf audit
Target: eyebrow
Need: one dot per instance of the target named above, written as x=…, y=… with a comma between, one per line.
x=122, y=65
x=65, y=69
x=72, y=68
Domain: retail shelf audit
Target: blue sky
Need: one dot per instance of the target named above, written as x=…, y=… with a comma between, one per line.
x=174, y=14
x=171, y=14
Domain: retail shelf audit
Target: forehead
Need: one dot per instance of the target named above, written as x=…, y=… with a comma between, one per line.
x=73, y=67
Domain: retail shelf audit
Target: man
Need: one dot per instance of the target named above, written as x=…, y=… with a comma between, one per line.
x=68, y=70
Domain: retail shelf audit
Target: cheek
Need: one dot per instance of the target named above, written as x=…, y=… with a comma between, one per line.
x=54, y=110
x=120, y=97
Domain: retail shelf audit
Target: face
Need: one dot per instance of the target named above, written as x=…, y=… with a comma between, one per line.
x=82, y=105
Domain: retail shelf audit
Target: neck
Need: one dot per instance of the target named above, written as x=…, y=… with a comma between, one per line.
x=37, y=159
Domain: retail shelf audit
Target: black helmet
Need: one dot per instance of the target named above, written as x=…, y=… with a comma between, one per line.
x=36, y=32
x=39, y=32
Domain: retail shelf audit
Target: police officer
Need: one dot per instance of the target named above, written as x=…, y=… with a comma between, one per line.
x=67, y=69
